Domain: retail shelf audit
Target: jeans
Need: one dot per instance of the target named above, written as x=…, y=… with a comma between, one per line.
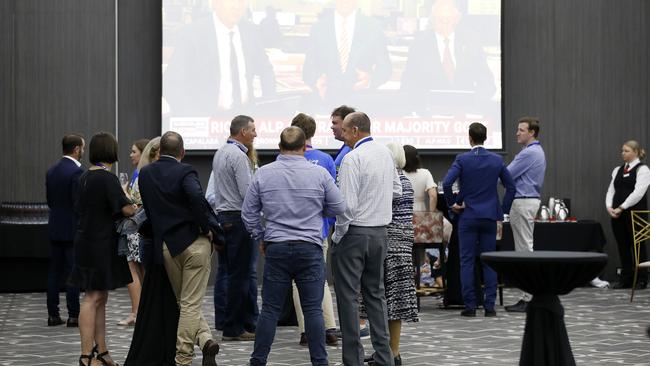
x=304, y=263
x=61, y=264
x=476, y=236
x=241, y=286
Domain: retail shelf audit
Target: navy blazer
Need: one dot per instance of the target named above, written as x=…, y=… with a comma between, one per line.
x=478, y=172
x=61, y=189
x=175, y=205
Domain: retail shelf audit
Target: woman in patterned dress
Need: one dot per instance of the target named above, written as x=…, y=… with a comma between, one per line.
x=399, y=282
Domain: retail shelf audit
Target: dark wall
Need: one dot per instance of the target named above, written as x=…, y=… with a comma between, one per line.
x=58, y=76
x=581, y=66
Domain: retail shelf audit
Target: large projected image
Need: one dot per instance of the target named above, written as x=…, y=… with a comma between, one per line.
x=423, y=70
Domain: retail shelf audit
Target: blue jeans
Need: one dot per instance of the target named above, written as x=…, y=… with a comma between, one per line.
x=61, y=263
x=476, y=236
x=221, y=292
x=304, y=263
x=241, y=273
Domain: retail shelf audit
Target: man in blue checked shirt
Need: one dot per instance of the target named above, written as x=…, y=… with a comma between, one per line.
x=293, y=195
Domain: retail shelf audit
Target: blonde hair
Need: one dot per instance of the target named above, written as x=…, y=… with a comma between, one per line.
x=397, y=151
x=634, y=145
x=149, y=153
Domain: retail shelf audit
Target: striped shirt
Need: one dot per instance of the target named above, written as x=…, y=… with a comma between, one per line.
x=232, y=175
x=368, y=181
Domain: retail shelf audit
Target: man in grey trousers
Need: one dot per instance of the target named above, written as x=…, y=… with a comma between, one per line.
x=368, y=181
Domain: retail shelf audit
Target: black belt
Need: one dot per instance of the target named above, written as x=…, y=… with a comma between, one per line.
x=525, y=198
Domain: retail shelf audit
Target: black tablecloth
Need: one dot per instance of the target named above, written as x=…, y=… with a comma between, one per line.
x=581, y=236
x=546, y=274
x=24, y=241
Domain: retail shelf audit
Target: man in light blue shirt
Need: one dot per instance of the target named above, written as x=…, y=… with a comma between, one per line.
x=527, y=170
x=293, y=195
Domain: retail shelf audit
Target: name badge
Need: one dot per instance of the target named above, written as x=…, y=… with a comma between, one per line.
x=626, y=175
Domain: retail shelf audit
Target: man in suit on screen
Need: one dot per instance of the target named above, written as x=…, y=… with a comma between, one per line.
x=478, y=208
x=445, y=57
x=347, y=54
x=214, y=63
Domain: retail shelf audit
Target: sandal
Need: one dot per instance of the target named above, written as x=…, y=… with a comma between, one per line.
x=89, y=357
x=129, y=321
x=100, y=358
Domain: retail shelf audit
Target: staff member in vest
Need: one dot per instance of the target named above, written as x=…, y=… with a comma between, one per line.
x=527, y=170
x=628, y=191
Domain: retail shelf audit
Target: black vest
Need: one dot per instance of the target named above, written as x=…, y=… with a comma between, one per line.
x=624, y=186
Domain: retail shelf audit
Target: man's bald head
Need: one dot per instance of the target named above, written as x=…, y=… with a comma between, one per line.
x=359, y=120
x=292, y=139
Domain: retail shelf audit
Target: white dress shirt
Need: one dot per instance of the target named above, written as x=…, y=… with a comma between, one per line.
x=441, y=47
x=225, y=100
x=73, y=159
x=348, y=23
x=641, y=186
x=369, y=182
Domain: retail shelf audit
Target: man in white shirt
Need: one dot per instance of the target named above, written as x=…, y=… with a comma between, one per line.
x=214, y=63
x=368, y=181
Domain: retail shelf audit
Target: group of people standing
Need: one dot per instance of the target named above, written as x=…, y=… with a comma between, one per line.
x=358, y=206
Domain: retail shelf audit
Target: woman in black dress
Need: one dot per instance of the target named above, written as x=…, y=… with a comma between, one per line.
x=98, y=267
x=628, y=191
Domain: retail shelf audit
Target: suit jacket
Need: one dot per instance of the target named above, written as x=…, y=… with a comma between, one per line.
x=424, y=69
x=175, y=205
x=193, y=69
x=368, y=52
x=478, y=172
x=61, y=189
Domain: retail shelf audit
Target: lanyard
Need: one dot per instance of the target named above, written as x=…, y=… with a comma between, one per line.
x=231, y=142
x=367, y=139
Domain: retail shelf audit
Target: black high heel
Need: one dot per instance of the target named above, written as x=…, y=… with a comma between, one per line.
x=100, y=358
x=89, y=357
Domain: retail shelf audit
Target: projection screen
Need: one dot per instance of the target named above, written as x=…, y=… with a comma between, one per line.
x=422, y=70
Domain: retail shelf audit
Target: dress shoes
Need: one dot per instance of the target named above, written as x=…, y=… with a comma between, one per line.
x=330, y=338
x=53, y=321
x=244, y=337
x=370, y=360
x=622, y=285
x=490, y=313
x=210, y=350
x=468, y=312
x=519, y=307
x=72, y=323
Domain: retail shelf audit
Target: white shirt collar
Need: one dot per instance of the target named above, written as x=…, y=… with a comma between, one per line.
x=633, y=163
x=362, y=141
x=476, y=147
x=77, y=162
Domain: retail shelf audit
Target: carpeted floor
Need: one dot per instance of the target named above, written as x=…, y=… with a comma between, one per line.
x=603, y=326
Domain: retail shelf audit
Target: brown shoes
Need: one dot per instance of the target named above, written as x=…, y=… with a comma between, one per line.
x=210, y=350
x=330, y=339
x=244, y=337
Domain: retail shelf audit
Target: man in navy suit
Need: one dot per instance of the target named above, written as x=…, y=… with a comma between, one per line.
x=61, y=184
x=183, y=227
x=347, y=54
x=477, y=206
x=214, y=63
